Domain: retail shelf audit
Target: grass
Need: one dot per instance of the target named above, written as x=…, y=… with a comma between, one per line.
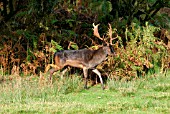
x=150, y=94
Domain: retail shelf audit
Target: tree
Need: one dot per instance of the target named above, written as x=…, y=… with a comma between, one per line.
x=142, y=10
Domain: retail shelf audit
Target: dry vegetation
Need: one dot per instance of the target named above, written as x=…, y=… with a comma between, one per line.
x=32, y=34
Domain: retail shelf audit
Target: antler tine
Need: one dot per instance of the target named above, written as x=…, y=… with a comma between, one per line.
x=95, y=31
x=110, y=33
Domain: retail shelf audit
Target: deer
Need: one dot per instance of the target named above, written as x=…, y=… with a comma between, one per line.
x=85, y=59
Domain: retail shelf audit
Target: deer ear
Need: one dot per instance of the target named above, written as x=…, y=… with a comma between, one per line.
x=111, y=48
x=105, y=44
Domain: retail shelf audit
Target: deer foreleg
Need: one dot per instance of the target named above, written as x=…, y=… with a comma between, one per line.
x=99, y=74
x=85, y=72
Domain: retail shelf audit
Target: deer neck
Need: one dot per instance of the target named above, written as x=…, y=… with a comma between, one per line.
x=99, y=56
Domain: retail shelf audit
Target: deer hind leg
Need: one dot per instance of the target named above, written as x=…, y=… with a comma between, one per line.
x=63, y=72
x=99, y=74
x=85, y=72
x=54, y=69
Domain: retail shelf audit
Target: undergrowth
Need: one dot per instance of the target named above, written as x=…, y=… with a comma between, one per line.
x=22, y=89
x=144, y=53
x=138, y=52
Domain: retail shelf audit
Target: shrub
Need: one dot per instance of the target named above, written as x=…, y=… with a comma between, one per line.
x=143, y=53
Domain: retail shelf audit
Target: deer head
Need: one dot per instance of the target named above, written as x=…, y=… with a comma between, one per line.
x=96, y=33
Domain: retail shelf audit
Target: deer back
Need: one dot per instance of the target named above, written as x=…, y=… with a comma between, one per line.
x=74, y=57
x=86, y=57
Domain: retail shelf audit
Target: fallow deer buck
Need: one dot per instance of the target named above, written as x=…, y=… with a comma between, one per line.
x=84, y=58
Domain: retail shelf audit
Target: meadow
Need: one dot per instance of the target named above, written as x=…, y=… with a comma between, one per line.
x=23, y=95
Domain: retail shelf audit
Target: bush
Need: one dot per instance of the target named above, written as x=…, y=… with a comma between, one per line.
x=143, y=53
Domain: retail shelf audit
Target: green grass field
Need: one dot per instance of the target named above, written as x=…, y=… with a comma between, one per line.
x=150, y=94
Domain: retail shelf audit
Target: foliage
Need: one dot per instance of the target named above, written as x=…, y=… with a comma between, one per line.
x=140, y=10
x=143, y=52
x=33, y=30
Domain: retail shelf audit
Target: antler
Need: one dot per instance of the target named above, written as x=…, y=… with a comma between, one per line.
x=110, y=33
x=95, y=31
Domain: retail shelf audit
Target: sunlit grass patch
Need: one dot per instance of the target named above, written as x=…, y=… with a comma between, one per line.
x=162, y=87
x=125, y=88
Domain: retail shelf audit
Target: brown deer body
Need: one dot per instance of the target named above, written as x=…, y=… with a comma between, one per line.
x=84, y=58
